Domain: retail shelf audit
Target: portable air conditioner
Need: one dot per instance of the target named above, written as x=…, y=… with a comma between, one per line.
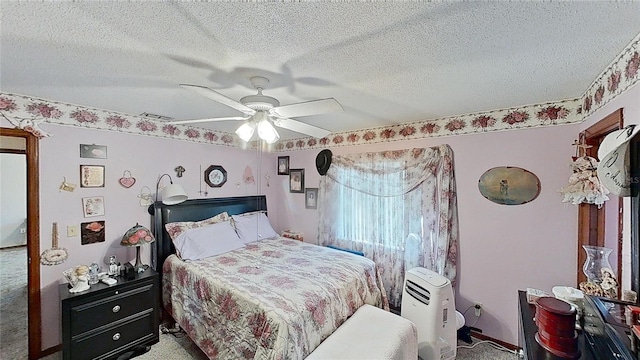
x=427, y=301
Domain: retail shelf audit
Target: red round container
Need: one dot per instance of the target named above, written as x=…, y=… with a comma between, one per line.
x=567, y=344
x=555, y=316
x=556, y=327
x=548, y=305
x=570, y=352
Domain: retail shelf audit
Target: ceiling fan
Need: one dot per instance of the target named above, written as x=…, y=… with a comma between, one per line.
x=261, y=111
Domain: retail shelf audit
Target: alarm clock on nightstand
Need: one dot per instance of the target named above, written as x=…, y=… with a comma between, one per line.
x=215, y=176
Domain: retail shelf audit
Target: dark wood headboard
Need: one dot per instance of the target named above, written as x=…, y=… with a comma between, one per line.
x=194, y=210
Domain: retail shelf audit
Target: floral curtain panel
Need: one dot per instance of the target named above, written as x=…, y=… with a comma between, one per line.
x=398, y=207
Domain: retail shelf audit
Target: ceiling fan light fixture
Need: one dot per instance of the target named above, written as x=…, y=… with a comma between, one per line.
x=266, y=110
x=245, y=131
x=267, y=132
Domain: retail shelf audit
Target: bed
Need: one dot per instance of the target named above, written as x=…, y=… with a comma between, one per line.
x=274, y=298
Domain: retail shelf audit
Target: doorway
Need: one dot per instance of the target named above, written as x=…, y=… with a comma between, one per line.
x=32, y=227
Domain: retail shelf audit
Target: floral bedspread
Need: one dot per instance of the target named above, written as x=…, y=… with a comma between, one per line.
x=273, y=299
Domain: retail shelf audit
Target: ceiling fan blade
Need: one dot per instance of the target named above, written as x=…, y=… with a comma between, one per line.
x=216, y=96
x=313, y=107
x=301, y=127
x=194, y=121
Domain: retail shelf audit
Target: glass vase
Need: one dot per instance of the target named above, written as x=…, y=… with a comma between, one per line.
x=597, y=259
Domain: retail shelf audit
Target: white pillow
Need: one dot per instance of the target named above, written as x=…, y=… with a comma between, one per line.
x=201, y=242
x=176, y=228
x=253, y=227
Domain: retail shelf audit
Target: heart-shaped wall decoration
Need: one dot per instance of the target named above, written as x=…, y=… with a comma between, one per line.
x=127, y=181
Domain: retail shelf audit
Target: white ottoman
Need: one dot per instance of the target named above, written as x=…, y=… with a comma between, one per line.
x=371, y=333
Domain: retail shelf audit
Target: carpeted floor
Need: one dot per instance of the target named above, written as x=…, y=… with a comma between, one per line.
x=13, y=303
x=179, y=346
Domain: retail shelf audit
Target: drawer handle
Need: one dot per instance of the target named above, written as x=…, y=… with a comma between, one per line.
x=116, y=337
x=116, y=308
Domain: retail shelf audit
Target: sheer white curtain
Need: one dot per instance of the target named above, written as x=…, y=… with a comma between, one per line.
x=398, y=207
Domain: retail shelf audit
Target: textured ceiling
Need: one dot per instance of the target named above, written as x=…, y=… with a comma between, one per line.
x=386, y=63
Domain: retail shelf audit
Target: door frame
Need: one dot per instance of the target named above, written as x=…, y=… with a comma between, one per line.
x=635, y=219
x=591, y=219
x=33, y=241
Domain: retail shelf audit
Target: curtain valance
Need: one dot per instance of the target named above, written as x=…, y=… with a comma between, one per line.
x=388, y=173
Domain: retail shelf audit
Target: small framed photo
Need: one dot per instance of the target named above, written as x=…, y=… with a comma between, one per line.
x=93, y=206
x=311, y=198
x=92, y=232
x=296, y=181
x=283, y=165
x=91, y=176
x=93, y=151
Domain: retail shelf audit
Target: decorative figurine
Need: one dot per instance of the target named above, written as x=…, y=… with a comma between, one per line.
x=609, y=283
x=113, y=266
x=93, y=274
x=78, y=277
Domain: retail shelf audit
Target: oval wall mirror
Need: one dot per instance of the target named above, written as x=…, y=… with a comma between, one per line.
x=508, y=185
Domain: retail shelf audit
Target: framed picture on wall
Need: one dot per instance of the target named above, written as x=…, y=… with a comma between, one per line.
x=91, y=232
x=93, y=206
x=91, y=176
x=93, y=151
x=283, y=165
x=296, y=181
x=311, y=198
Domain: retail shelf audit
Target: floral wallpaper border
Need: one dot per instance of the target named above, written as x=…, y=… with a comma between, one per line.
x=29, y=112
x=556, y=113
x=617, y=78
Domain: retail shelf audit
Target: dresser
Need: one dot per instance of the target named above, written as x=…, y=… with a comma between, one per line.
x=106, y=321
x=601, y=339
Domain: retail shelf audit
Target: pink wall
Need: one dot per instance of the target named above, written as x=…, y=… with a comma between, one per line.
x=146, y=158
x=502, y=248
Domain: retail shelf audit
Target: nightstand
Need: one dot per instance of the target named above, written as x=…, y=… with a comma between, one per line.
x=106, y=321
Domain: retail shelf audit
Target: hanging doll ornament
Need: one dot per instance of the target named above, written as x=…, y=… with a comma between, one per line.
x=145, y=196
x=584, y=185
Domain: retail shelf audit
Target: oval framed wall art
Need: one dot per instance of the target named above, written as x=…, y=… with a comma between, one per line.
x=509, y=185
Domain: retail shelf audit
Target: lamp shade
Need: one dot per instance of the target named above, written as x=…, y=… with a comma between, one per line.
x=137, y=236
x=173, y=194
x=245, y=131
x=267, y=132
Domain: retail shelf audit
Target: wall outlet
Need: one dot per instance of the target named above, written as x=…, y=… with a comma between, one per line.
x=72, y=230
x=478, y=308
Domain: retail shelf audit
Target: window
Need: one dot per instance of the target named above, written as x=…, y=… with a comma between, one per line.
x=397, y=207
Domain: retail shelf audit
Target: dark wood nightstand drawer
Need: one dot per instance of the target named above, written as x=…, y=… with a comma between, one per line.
x=106, y=310
x=105, y=321
x=106, y=341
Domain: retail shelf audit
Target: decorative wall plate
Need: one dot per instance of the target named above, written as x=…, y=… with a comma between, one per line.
x=215, y=176
x=508, y=185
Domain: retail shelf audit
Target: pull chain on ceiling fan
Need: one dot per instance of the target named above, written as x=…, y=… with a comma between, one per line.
x=262, y=112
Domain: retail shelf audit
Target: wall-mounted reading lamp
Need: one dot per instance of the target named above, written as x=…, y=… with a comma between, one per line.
x=171, y=194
